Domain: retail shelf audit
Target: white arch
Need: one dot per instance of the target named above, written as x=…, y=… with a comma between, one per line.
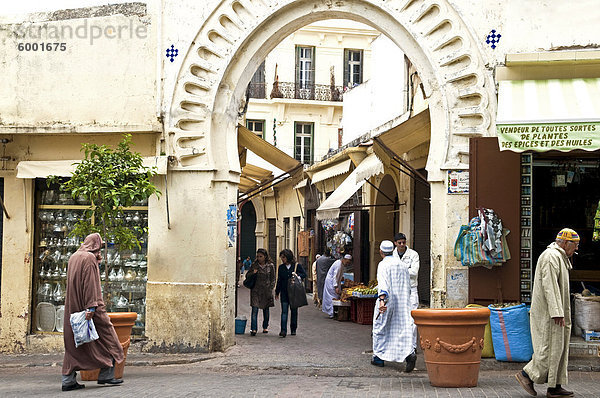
x=239, y=34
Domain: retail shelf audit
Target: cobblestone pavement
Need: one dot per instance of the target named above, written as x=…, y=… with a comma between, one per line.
x=327, y=358
x=195, y=381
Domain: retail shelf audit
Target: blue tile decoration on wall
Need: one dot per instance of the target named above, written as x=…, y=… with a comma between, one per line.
x=172, y=53
x=493, y=38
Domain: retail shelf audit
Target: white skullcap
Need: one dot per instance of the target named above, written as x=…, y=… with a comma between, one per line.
x=348, y=257
x=386, y=246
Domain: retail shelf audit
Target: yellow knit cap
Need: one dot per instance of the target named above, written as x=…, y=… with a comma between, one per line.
x=568, y=234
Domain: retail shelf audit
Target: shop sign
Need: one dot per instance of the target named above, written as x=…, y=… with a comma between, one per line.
x=231, y=225
x=547, y=137
x=458, y=181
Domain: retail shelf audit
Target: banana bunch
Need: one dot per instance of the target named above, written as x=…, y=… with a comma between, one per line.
x=366, y=290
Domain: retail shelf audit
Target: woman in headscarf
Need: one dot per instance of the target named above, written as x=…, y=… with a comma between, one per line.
x=285, y=271
x=261, y=295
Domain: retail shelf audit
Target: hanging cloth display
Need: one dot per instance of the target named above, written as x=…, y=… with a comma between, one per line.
x=596, y=234
x=483, y=241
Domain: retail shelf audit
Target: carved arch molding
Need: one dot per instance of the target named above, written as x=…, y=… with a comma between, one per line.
x=238, y=35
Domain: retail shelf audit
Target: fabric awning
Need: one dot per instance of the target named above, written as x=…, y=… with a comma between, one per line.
x=301, y=184
x=409, y=134
x=275, y=156
x=65, y=168
x=330, y=208
x=331, y=171
x=554, y=114
x=263, y=165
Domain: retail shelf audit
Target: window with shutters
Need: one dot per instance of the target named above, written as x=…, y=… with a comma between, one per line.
x=257, y=88
x=353, y=67
x=256, y=126
x=272, y=238
x=305, y=72
x=286, y=233
x=296, y=233
x=303, y=147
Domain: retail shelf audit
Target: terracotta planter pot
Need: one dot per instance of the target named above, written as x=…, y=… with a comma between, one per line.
x=452, y=341
x=123, y=323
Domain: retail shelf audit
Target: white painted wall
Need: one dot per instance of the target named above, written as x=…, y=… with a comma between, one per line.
x=106, y=77
x=382, y=97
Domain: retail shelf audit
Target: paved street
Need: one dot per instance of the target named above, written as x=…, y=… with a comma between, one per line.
x=326, y=359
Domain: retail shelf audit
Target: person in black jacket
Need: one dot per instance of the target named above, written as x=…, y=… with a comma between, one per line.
x=286, y=268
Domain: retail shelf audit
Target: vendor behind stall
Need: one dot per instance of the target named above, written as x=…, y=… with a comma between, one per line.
x=332, y=288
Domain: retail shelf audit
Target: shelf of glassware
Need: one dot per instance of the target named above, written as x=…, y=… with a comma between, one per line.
x=526, y=209
x=127, y=271
x=126, y=285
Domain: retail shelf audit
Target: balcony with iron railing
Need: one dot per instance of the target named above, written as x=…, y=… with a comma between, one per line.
x=288, y=90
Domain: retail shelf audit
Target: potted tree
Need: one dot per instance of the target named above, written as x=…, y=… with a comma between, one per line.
x=111, y=180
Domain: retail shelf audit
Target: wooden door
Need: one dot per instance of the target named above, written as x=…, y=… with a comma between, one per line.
x=494, y=179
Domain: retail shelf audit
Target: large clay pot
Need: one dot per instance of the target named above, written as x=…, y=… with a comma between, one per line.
x=452, y=341
x=123, y=323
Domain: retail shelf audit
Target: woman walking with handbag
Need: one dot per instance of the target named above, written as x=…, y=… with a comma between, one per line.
x=287, y=269
x=261, y=294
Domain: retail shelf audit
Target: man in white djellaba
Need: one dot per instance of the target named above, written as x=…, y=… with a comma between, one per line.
x=392, y=322
x=333, y=288
x=410, y=259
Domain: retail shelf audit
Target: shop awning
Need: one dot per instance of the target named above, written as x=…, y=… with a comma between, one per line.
x=331, y=171
x=543, y=115
x=330, y=208
x=301, y=184
x=263, y=165
x=275, y=156
x=65, y=168
x=409, y=134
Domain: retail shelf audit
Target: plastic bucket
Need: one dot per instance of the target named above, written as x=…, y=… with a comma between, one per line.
x=240, y=325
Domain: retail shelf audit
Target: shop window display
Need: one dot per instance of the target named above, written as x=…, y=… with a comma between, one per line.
x=338, y=235
x=125, y=287
x=566, y=193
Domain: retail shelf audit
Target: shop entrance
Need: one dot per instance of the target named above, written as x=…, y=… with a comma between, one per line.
x=1, y=232
x=422, y=235
x=385, y=218
x=566, y=193
x=247, y=235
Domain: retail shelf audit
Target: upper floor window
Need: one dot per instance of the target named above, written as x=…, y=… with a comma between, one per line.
x=353, y=67
x=303, y=148
x=257, y=88
x=305, y=67
x=286, y=233
x=256, y=126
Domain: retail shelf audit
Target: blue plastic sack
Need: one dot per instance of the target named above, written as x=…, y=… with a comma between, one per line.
x=511, y=334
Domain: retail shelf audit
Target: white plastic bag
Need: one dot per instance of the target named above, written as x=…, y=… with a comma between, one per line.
x=84, y=330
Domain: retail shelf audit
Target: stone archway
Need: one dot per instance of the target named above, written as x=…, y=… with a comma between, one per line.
x=240, y=33
x=232, y=42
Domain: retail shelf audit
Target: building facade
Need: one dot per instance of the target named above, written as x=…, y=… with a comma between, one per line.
x=178, y=83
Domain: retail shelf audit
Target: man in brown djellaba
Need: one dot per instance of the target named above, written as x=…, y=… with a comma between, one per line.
x=84, y=294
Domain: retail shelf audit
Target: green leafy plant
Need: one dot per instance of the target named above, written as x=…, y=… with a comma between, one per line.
x=111, y=180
